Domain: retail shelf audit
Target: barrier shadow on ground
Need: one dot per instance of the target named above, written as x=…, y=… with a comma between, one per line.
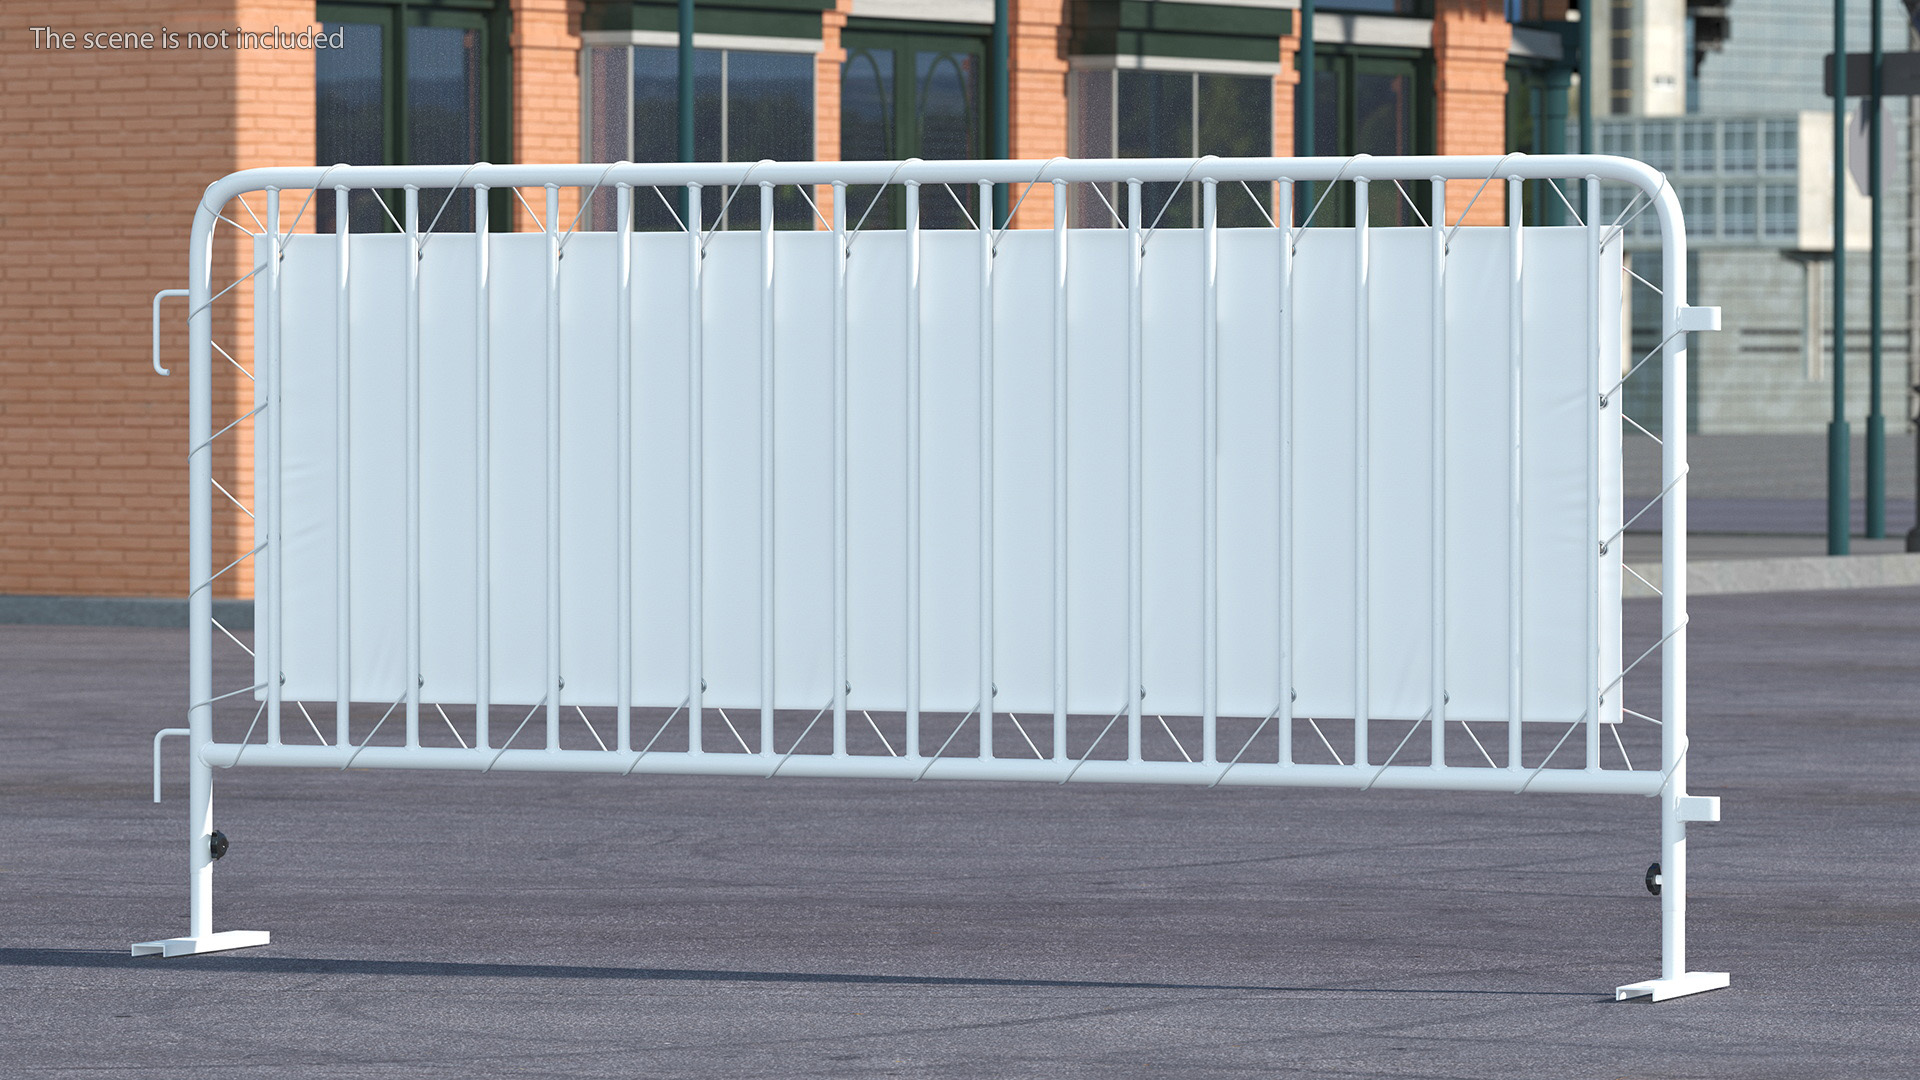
x=297, y=965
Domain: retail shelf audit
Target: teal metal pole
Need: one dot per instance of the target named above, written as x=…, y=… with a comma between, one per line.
x=1553, y=140
x=1000, y=150
x=1586, y=78
x=1876, y=421
x=1305, y=143
x=686, y=90
x=1839, y=441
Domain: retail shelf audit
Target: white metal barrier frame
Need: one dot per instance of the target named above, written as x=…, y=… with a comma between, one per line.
x=624, y=182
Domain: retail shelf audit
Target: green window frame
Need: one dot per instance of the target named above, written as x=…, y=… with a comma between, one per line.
x=748, y=104
x=1169, y=112
x=1537, y=124
x=899, y=131
x=490, y=21
x=1354, y=105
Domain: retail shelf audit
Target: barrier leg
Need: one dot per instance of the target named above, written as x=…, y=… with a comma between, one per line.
x=1676, y=806
x=200, y=835
x=201, y=937
x=1675, y=980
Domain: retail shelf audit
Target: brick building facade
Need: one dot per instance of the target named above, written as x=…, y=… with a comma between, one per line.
x=109, y=148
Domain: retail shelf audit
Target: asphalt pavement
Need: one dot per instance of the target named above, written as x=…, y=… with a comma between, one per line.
x=459, y=925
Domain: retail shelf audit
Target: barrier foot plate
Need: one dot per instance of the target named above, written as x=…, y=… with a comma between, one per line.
x=1693, y=982
x=187, y=946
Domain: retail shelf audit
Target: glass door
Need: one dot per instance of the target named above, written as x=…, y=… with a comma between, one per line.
x=429, y=101
x=1369, y=104
x=912, y=95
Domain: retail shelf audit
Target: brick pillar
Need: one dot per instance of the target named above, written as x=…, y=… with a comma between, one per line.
x=1470, y=42
x=1285, y=84
x=546, y=93
x=1037, y=93
x=826, y=97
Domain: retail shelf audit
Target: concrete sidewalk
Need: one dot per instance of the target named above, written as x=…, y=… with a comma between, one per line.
x=456, y=925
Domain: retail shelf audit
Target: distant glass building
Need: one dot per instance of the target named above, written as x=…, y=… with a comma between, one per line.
x=1751, y=160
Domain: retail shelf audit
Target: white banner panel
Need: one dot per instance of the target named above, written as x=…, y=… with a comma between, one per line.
x=1563, y=622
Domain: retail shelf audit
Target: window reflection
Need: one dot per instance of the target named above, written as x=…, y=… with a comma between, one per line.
x=907, y=96
x=363, y=118
x=747, y=106
x=1365, y=103
x=443, y=115
x=350, y=115
x=1178, y=114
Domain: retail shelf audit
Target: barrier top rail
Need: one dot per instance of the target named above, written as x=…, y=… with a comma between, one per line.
x=1514, y=166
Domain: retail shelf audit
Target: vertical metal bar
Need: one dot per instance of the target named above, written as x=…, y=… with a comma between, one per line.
x=1136, y=330
x=839, y=468
x=684, y=102
x=1587, y=85
x=1307, y=114
x=999, y=62
x=1594, y=600
x=626, y=113
x=1193, y=141
x=1210, y=440
x=1362, y=474
x=766, y=469
x=986, y=469
x=1516, y=479
x=1673, y=601
x=912, y=360
x=1839, y=437
x=413, y=465
x=1284, y=408
x=275, y=620
x=554, y=678
x=1876, y=420
x=696, y=475
x=482, y=471
x=342, y=463
x=1060, y=192
x=623, y=498
x=1437, y=477
x=199, y=574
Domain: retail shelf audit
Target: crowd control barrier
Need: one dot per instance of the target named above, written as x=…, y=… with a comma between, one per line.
x=1263, y=472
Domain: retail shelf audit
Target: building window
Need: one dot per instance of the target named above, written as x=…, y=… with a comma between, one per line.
x=1171, y=114
x=1370, y=103
x=747, y=105
x=1740, y=146
x=1420, y=8
x=1698, y=149
x=1749, y=199
x=1697, y=207
x=1739, y=212
x=1614, y=200
x=430, y=101
x=1656, y=145
x=1782, y=146
x=1537, y=124
x=912, y=95
x=1782, y=211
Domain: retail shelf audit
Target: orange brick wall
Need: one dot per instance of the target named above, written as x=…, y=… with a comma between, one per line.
x=1036, y=98
x=1470, y=43
x=107, y=154
x=545, y=45
x=1284, y=86
x=826, y=97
